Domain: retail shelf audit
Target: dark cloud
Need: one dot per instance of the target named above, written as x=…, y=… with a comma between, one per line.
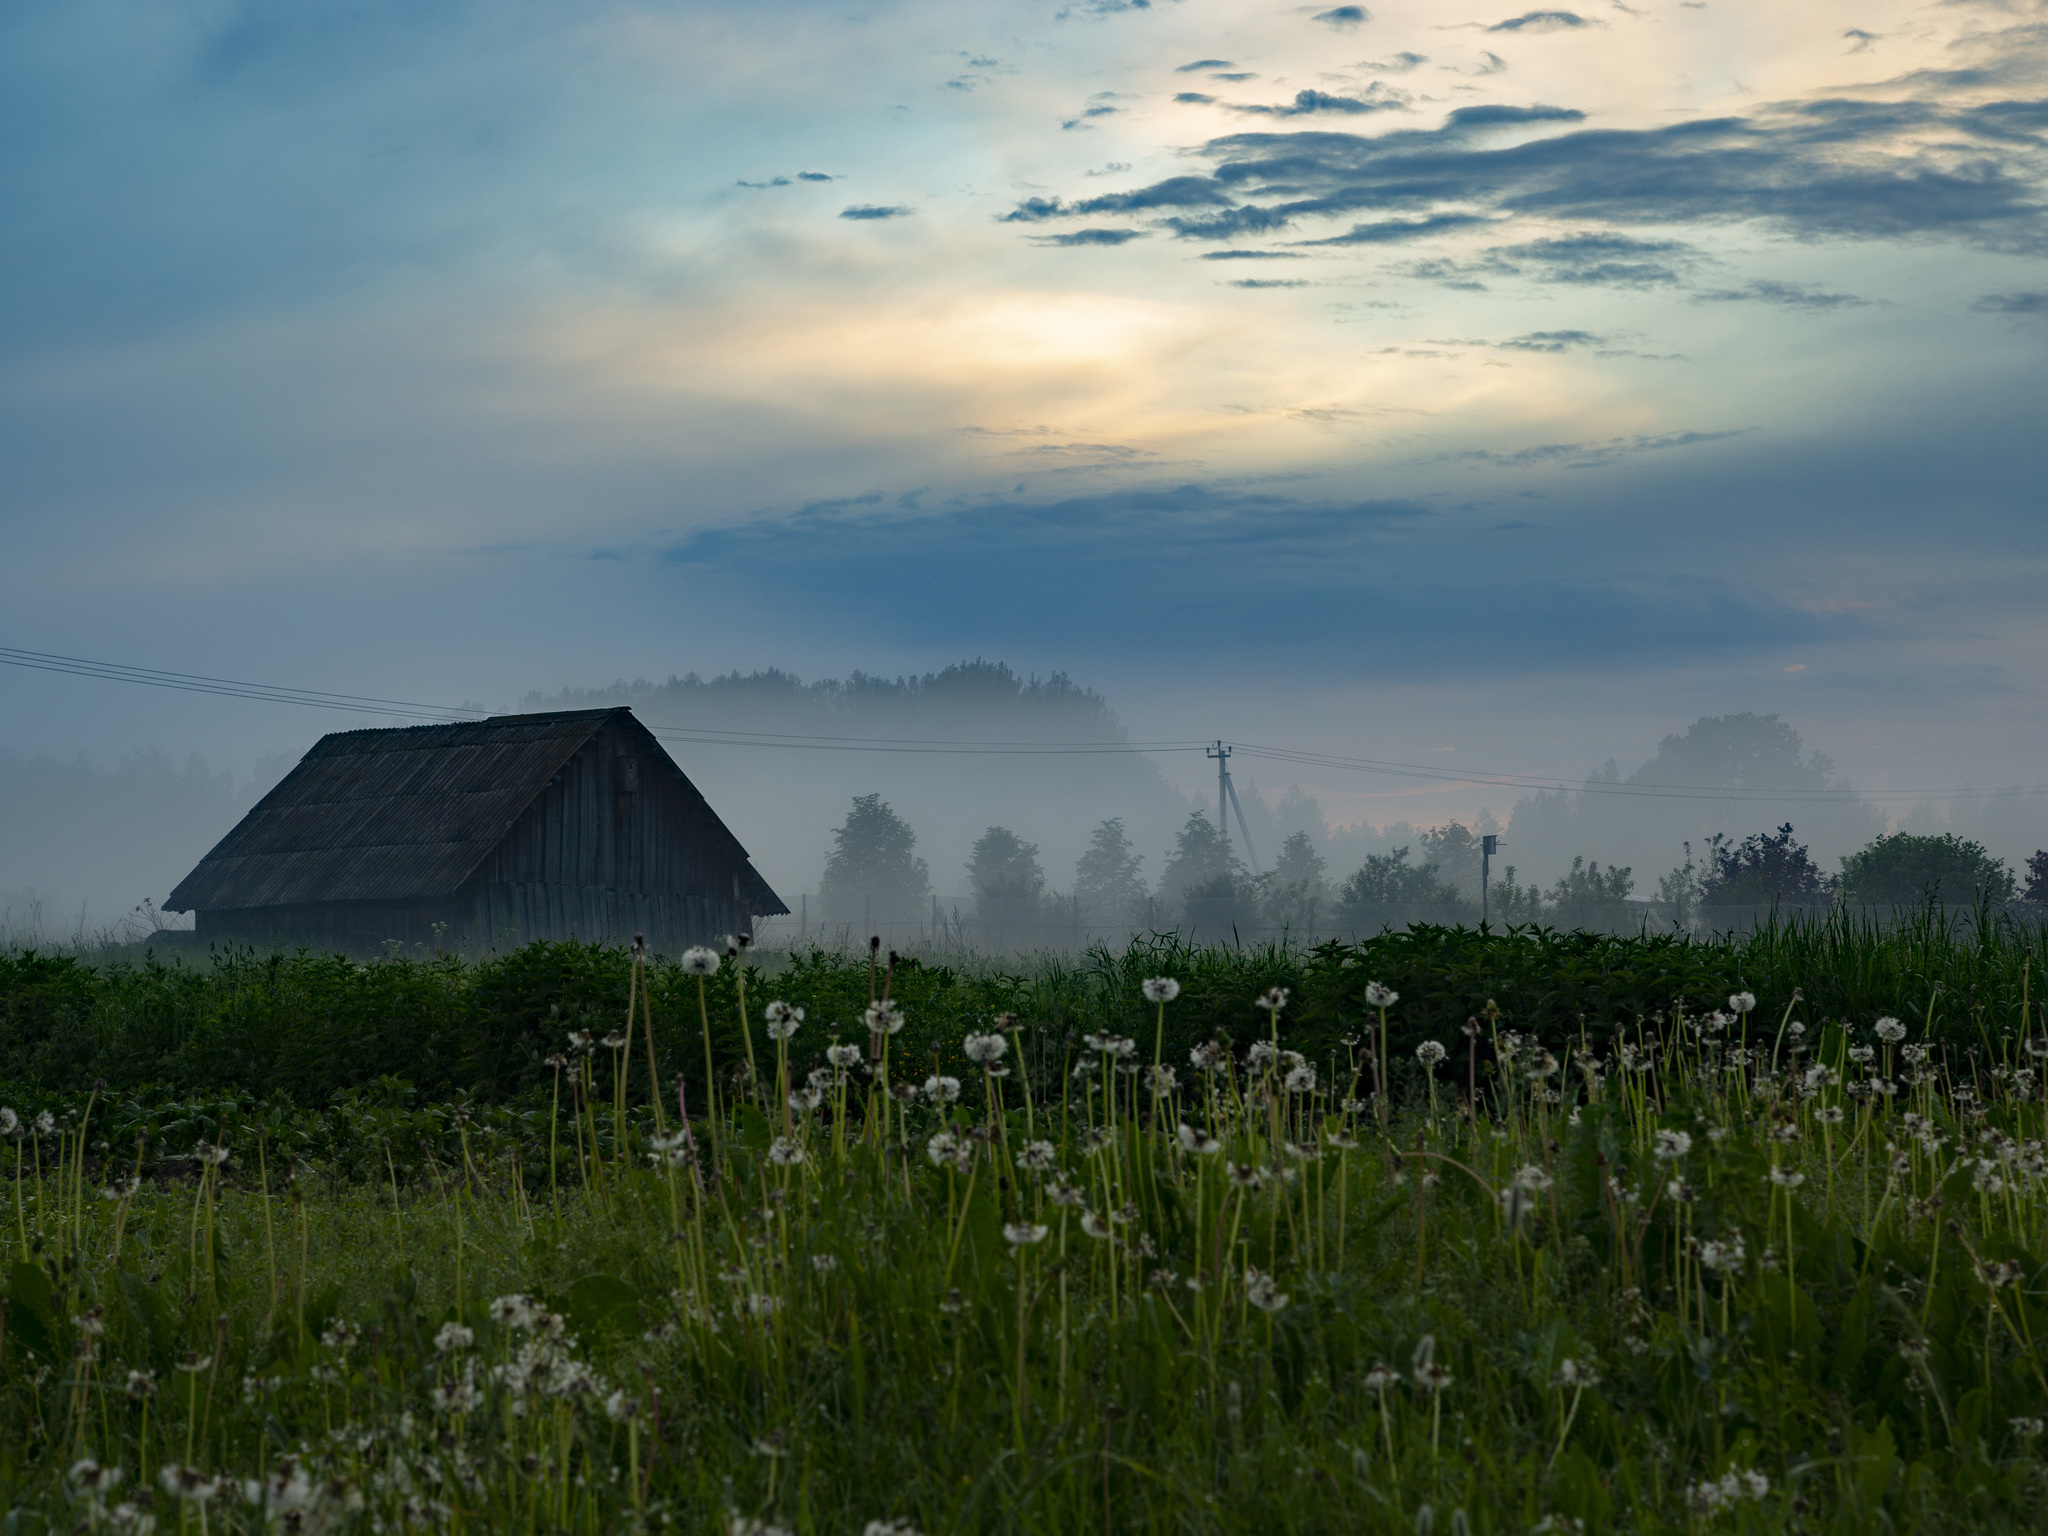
x=1235, y=76
x=1334, y=576
x=1344, y=17
x=1189, y=69
x=1378, y=99
x=1253, y=256
x=1174, y=192
x=1859, y=39
x=1399, y=64
x=1834, y=167
x=1268, y=282
x=776, y=181
x=1542, y=21
x=814, y=176
x=1789, y=295
x=1387, y=231
x=1092, y=237
x=1590, y=455
x=2030, y=303
x=1193, y=98
x=874, y=211
x=1498, y=115
x=1614, y=261
x=1551, y=341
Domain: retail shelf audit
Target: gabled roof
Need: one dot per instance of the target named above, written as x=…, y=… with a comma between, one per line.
x=407, y=814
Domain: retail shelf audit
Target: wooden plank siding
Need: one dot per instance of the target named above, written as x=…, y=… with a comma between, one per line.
x=616, y=842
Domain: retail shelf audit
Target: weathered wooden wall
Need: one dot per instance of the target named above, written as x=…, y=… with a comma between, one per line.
x=616, y=845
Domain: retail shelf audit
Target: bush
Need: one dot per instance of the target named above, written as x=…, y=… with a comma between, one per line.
x=1764, y=867
x=1902, y=868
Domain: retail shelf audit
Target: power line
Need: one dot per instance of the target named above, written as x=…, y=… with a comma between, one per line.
x=407, y=709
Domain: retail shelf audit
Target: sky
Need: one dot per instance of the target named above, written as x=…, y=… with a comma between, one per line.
x=1494, y=387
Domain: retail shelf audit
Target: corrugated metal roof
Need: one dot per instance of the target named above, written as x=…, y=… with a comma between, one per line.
x=398, y=815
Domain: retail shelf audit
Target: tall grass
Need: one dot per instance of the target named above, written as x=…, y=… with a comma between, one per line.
x=1730, y=1265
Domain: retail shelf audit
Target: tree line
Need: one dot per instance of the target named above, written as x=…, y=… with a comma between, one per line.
x=873, y=874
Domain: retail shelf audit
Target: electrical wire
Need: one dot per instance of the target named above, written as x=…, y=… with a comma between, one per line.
x=407, y=709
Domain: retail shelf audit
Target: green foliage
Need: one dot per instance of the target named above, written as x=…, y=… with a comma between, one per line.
x=1764, y=867
x=1587, y=894
x=298, y=1029
x=1904, y=868
x=1711, y=1278
x=1389, y=880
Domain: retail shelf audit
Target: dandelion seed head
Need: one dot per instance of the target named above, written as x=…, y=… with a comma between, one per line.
x=1430, y=1052
x=984, y=1049
x=1161, y=989
x=1379, y=995
x=1261, y=1291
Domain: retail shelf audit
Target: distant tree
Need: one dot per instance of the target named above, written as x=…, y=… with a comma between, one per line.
x=1902, y=868
x=1203, y=866
x=1512, y=903
x=1762, y=868
x=1588, y=895
x=1295, y=887
x=1454, y=849
x=1746, y=751
x=2037, y=877
x=1003, y=865
x=1004, y=873
x=1389, y=880
x=873, y=872
x=1682, y=890
x=1108, y=880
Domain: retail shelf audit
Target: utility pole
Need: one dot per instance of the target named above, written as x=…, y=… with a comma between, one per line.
x=1489, y=844
x=1222, y=755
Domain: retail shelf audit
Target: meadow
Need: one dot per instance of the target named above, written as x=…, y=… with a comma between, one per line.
x=1441, y=1232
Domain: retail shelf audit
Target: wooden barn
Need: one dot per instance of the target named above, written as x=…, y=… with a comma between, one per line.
x=480, y=835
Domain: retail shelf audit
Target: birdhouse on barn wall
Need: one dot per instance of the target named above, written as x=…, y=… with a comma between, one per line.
x=485, y=833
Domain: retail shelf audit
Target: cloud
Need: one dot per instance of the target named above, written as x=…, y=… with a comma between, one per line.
x=1399, y=64
x=1253, y=256
x=1616, y=261
x=1387, y=231
x=1788, y=295
x=814, y=176
x=1092, y=237
x=1542, y=21
x=1269, y=282
x=1333, y=576
x=1818, y=168
x=1200, y=64
x=1860, y=39
x=1174, y=192
x=1344, y=17
x=1377, y=99
x=1588, y=455
x=1551, y=341
x=1193, y=98
x=875, y=211
x=2029, y=303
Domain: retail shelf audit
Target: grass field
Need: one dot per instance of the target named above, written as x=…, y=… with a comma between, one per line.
x=1036, y=1253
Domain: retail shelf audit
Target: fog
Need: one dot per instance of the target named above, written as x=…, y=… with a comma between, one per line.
x=87, y=845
